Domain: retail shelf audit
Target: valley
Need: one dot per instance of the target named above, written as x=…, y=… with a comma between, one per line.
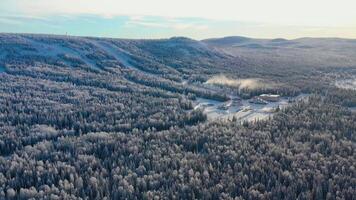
x=176, y=118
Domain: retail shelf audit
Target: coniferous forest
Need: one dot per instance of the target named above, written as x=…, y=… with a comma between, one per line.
x=102, y=118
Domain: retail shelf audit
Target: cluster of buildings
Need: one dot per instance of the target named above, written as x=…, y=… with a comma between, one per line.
x=265, y=98
x=235, y=101
x=261, y=99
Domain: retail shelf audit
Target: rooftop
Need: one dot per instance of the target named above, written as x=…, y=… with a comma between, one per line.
x=270, y=95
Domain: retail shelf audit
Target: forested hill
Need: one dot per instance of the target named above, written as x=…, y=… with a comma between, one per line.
x=166, y=56
x=104, y=118
x=291, y=57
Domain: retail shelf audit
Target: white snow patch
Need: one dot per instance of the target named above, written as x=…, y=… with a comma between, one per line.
x=116, y=52
x=346, y=84
x=53, y=50
x=242, y=110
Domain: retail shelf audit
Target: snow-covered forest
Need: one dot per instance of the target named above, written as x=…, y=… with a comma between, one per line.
x=102, y=118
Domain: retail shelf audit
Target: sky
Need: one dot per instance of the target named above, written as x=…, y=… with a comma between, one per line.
x=198, y=19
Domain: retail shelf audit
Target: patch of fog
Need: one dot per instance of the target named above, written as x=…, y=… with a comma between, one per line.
x=346, y=84
x=249, y=83
x=242, y=110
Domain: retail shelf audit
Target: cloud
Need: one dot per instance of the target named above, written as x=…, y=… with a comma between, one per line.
x=286, y=12
x=4, y=20
x=167, y=23
x=19, y=19
x=185, y=26
x=147, y=24
x=198, y=19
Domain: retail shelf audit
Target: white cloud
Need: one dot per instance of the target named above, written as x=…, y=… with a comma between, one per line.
x=147, y=24
x=4, y=20
x=283, y=12
x=185, y=26
x=169, y=23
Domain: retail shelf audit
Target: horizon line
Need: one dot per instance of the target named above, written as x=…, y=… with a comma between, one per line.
x=172, y=37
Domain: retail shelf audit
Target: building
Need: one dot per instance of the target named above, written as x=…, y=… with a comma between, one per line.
x=223, y=107
x=258, y=100
x=270, y=97
x=235, y=101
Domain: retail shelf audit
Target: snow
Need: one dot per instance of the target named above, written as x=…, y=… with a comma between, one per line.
x=184, y=82
x=54, y=49
x=346, y=84
x=116, y=52
x=242, y=110
x=113, y=51
x=353, y=109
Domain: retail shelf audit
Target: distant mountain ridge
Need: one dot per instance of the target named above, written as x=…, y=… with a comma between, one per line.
x=178, y=57
x=297, y=53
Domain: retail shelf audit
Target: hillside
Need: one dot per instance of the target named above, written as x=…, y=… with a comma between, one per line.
x=298, y=55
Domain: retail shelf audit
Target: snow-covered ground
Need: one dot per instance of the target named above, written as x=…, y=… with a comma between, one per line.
x=346, y=84
x=184, y=82
x=242, y=110
x=353, y=109
x=55, y=49
x=115, y=52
